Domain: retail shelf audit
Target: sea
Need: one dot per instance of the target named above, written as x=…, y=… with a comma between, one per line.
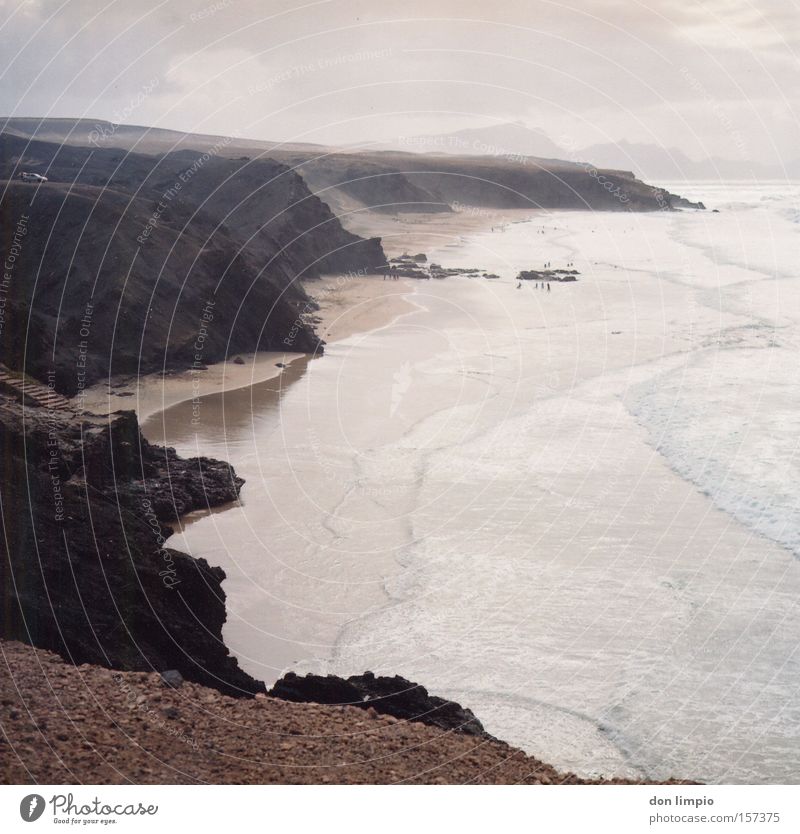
x=575, y=511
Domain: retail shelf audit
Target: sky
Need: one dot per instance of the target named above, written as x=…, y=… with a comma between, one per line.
x=717, y=77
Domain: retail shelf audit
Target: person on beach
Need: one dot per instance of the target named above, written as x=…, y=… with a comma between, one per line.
x=548, y=286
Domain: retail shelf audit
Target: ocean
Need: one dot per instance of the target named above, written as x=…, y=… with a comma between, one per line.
x=576, y=512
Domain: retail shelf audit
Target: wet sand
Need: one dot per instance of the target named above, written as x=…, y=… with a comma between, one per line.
x=433, y=234
x=357, y=304
x=348, y=305
x=150, y=394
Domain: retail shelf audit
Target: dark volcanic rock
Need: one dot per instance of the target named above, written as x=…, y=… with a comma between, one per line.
x=172, y=678
x=391, y=696
x=681, y=202
x=116, y=460
x=558, y=275
x=175, y=486
x=86, y=573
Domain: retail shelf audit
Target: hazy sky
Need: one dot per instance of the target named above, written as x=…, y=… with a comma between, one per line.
x=713, y=77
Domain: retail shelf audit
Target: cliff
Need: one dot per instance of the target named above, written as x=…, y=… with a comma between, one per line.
x=85, y=573
x=401, y=182
x=129, y=263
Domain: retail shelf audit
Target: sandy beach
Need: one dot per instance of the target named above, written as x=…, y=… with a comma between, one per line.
x=433, y=234
x=350, y=304
x=347, y=305
x=150, y=394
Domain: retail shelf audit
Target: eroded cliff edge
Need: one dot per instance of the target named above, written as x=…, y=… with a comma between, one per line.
x=85, y=572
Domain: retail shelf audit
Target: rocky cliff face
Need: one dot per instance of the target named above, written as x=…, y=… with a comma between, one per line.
x=85, y=572
x=128, y=263
x=399, y=182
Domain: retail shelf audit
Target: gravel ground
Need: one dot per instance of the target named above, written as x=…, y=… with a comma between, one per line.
x=87, y=724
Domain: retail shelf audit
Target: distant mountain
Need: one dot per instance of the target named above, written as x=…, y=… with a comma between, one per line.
x=646, y=161
x=509, y=139
x=505, y=141
x=656, y=162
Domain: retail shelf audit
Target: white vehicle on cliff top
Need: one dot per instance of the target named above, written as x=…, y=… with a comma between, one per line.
x=26, y=176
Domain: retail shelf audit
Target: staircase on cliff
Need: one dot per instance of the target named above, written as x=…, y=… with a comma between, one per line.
x=30, y=391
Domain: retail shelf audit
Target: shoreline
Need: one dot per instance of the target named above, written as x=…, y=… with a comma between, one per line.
x=357, y=305
x=348, y=305
x=152, y=394
x=322, y=567
x=433, y=233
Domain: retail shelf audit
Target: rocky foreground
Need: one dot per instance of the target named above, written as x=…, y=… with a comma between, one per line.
x=86, y=724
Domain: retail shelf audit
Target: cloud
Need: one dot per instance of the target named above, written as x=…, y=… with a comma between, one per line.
x=350, y=70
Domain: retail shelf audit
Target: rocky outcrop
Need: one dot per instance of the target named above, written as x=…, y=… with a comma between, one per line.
x=128, y=469
x=684, y=203
x=85, y=571
x=557, y=275
x=394, y=696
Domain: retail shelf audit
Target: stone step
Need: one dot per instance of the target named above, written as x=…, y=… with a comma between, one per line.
x=40, y=394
